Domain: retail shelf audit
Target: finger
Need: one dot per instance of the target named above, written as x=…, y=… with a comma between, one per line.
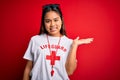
x=91, y=39
x=77, y=37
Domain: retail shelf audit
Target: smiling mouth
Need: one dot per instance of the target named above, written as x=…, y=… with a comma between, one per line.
x=53, y=29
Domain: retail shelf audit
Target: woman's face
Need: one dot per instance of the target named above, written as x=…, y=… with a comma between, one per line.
x=53, y=23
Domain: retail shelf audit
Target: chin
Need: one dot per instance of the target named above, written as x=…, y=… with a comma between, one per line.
x=54, y=34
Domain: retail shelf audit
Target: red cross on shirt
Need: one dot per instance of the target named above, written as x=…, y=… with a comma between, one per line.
x=52, y=57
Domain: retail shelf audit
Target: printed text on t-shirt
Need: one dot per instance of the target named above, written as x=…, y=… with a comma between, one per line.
x=53, y=47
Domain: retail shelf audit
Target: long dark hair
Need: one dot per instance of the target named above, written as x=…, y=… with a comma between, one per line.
x=47, y=8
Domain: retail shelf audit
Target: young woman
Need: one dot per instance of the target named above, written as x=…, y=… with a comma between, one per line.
x=51, y=55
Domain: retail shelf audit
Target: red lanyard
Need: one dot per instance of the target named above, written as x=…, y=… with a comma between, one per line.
x=49, y=44
x=52, y=55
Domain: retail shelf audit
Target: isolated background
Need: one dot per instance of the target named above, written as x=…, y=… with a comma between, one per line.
x=100, y=19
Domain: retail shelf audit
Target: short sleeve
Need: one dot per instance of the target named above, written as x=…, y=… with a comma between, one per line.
x=68, y=43
x=28, y=54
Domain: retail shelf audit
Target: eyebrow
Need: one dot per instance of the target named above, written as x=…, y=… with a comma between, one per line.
x=50, y=19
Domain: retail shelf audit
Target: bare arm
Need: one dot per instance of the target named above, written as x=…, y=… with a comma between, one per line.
x=26, y=75
x=71, y=62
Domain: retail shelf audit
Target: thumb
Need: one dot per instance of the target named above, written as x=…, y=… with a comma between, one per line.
x=77, y=37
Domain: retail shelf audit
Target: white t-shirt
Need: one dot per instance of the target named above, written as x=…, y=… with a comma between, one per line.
x=37, y=51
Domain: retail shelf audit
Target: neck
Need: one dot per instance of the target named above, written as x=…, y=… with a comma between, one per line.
x=56, y=35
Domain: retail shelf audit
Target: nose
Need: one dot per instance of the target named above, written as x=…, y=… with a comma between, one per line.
x=52, y=23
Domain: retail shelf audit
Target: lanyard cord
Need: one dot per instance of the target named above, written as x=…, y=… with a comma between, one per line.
x=52, y=71
x=49, y=44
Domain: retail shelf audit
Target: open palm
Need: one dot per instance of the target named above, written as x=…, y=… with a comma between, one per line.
x=78, y=41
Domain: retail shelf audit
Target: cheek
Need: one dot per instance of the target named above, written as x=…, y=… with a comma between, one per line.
x=47, y=26
x=59, y=23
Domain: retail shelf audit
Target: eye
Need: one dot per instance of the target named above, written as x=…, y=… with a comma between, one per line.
x=56, y=20
x=47, y=21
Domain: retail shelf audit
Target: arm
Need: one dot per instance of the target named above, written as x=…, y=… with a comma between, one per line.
x=27, y=70
x=71, y=62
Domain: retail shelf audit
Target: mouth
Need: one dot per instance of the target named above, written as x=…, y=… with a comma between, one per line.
x=52, y=29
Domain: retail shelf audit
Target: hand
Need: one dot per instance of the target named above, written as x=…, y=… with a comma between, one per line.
x=78, y=41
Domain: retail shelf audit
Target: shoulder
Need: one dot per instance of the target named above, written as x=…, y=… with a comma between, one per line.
x=37, y=37
x=67, y=39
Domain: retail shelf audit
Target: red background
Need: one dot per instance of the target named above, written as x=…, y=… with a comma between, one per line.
x=100, y=19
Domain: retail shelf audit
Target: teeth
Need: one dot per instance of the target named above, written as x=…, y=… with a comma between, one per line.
x=53, y=28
